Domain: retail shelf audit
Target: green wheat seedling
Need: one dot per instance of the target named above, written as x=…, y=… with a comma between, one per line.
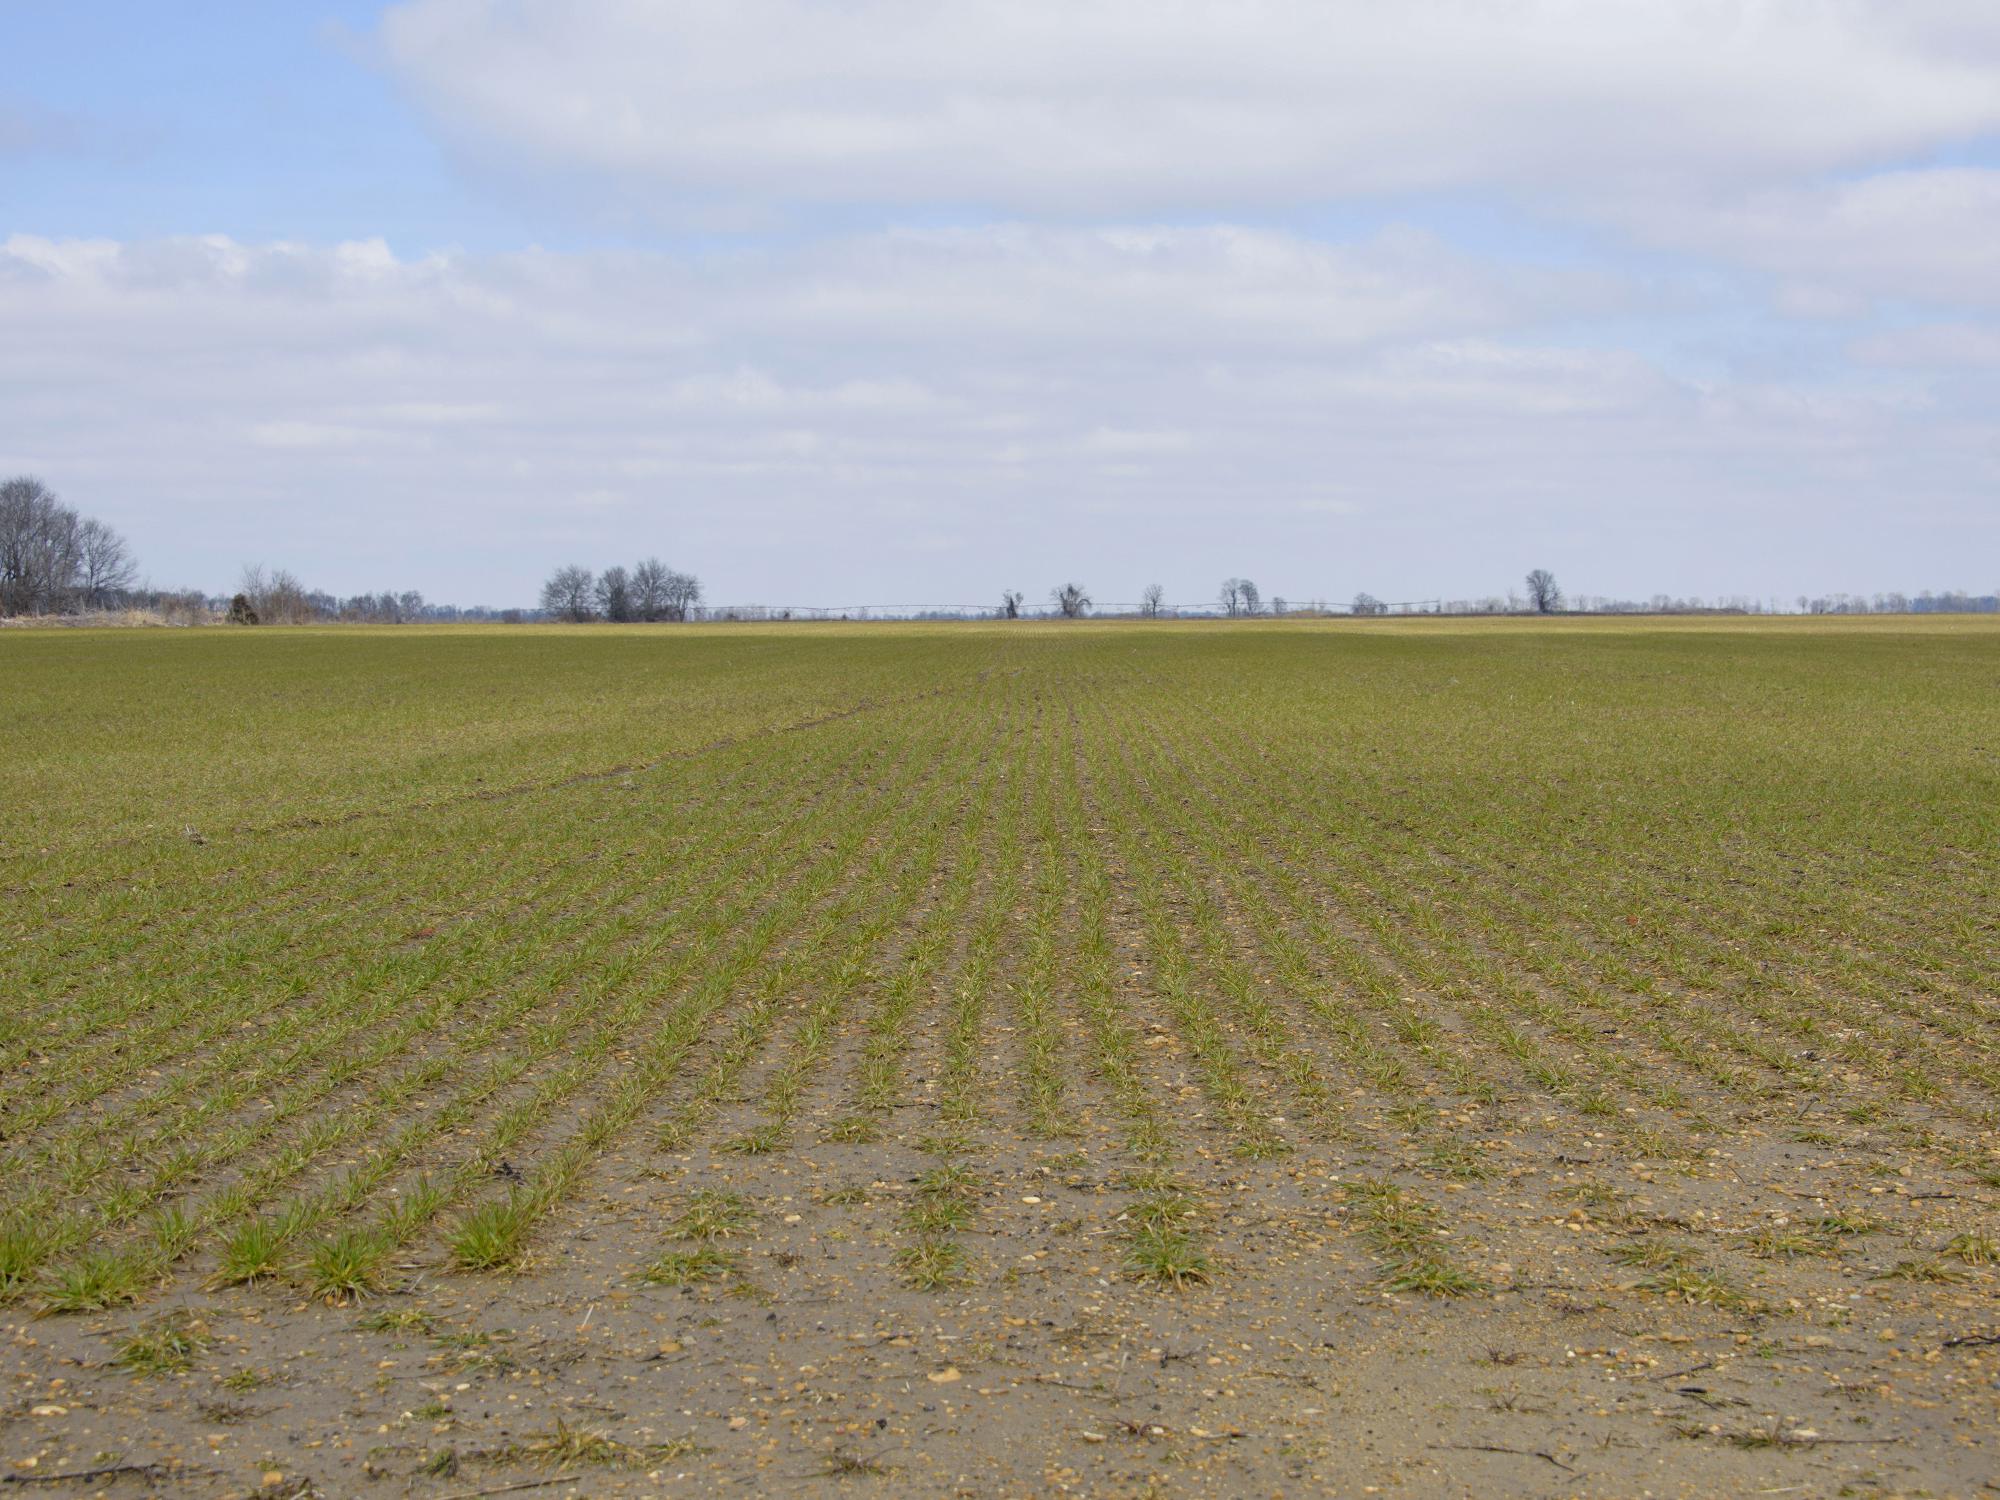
x=1430, y=1276
x=167, y=1346
x=349, y=1266
x=761, y=1141
x=712, y=1214
x=254, y=1253
x=1165, y=1209
x=412, y=1210
x=1172, y=1257
x=948, y=1178
x=1775, y=1243
x=1405, y=1233
x=938, y=1216
x=1932, y=1271
x=933, y=1263
x=226, y=1079
x=24, y=1247
x=1455, y=1159
x=1695, y=1287
x=566, y=1447
x=400, y=1320
x=690, y=1267
x=99, y=1280
x=1973, y=1248
x=1651, y=1255
x=494, y=1234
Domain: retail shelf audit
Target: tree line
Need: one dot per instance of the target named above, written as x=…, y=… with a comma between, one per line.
x=54, y=560
x=647, y=593
x=275, y=596
x=1240, y=597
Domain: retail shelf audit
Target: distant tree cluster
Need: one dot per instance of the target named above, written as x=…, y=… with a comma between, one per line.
x=1239, y=596
x=650, y=592
x=1949, y=602
x=54, y=561
x=1543, y=593
x=270, y=596
x=274, y=596
x=1072, y=600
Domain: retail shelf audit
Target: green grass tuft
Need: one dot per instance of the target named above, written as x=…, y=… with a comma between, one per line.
x=102, y=1279
x=1431, y=1276
x=690, y=1267
x=932, y=1264
x=493, y=1235
x=347, y=1267
x=1169, y=1256
x=168, y=1346
x=252, y=1254
x=712, y=1214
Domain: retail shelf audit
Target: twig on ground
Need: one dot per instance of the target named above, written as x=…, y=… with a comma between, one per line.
x=1496, y=1448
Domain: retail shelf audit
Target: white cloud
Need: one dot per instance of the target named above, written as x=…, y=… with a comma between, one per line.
x=1103, y=108
x=1933, y=345
x=1925, y=236
x=296, y=434
x=903, y=413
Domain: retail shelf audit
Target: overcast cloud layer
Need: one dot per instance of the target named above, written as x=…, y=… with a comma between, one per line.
x=889, y=301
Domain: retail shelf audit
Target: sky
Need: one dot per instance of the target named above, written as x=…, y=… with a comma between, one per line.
x=913, y=301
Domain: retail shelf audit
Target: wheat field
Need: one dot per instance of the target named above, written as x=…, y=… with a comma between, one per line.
x=1004, y=1059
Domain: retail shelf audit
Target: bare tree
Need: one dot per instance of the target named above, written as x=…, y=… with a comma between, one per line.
x=287, y=602
x=1010, y=604
x=567, y=594
x=1368, y=604
x=1543, y=593
x=38, y=548
x=1239, y=596
x=649, y=590
x=683, y=595
x=1149, y=600
x=51, y=558
x=104, y=564
x=1070, y=599
x=614, y=596
x=1278, y=605
x=276, y=596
